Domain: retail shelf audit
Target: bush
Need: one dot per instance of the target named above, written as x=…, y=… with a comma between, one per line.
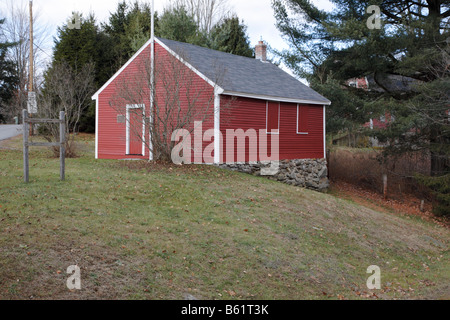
x=440, y=187
x=363, y=168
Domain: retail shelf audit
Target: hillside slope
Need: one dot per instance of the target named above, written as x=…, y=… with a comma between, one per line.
x=141, y=231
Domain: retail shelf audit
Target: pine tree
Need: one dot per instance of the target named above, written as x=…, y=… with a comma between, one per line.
x=129, y=28
x=410, y=44
x=8, y=78
x=230, y=36
x=176, y=24
x=80, y=47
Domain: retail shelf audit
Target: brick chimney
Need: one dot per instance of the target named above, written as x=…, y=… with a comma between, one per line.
x=261, y=51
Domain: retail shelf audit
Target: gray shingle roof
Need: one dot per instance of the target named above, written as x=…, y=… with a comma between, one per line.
x=244, y=75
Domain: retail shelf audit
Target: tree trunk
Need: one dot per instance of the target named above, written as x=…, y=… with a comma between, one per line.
x=432, y=31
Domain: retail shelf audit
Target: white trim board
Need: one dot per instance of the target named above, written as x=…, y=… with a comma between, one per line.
x=187, y=64
x=149, y=42
x=271, y=98
x=298, y=118
x=95, y=96
x=209, y=81
x=217, y=133
x=96, y=129
x=128, y=127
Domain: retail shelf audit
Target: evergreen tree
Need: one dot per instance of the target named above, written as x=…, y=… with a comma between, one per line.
x=79, y=47
x=410, y=44
x=8, y=78
x=176, y=24
x=115, y=29
x=231, y=36
x=129, y=28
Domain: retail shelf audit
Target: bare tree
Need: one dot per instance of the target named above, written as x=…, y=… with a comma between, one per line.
x=70, y=91
x=16, y=30
x=205, y=12
x=179, y=101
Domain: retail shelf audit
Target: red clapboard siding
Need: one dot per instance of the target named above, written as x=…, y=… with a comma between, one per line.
x=273, y=117
x=303, y=114
x=246, y=113
x=286, y=119
x=301, y=146
x=111, y=135
x=192, y=91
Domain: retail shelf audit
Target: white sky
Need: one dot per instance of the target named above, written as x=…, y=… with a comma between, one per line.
x=257, y=15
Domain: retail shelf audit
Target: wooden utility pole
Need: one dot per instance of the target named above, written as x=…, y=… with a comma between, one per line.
x=385, y=186
x=62, y=145
x=26, y=165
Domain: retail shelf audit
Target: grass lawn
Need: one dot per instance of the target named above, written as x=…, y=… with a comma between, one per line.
x=141, y=231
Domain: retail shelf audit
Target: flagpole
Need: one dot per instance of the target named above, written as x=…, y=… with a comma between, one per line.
x=152, y=79
x=31, y=95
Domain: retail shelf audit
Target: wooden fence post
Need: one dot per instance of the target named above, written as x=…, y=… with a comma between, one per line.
x=62, y=143
x=385, y=186
x=62, y=148
x=26, y=167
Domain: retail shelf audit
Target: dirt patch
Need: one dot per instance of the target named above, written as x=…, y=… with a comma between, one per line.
x=406, y=205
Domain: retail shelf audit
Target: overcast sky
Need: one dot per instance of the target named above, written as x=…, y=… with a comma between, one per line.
x=257, y=15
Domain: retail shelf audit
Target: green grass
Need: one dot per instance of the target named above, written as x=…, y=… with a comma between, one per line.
x=142, y=231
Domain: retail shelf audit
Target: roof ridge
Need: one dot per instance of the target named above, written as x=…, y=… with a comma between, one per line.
x=218, y=51
x=246, y=75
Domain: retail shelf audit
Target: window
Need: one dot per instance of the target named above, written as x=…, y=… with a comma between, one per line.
x=302, y=119
x=273, y=117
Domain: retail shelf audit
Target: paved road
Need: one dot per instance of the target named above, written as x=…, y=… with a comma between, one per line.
x=8, y=131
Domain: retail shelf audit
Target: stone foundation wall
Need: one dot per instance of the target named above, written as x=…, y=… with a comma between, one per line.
x=307, y=173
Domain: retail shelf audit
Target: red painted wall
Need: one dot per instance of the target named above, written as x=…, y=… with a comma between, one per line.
x=176, y=82
x=236, y=113
x=133, y=81
x=111, y=134
x=245, y=113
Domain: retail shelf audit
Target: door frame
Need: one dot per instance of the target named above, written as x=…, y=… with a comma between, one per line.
x=128, y=127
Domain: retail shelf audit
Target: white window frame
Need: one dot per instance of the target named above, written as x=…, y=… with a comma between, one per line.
x=128, y=127
x=267, y=118
x=298, y=118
